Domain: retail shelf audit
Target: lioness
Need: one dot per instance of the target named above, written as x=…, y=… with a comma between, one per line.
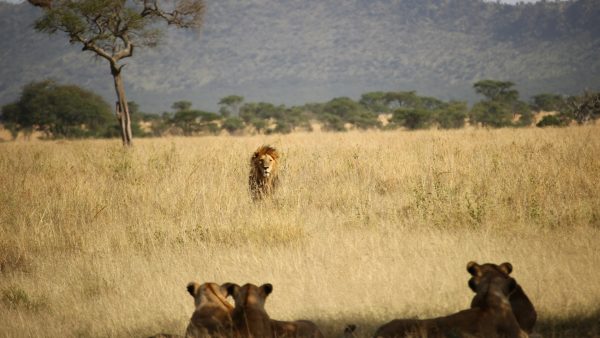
x=250, y=320
x=264, y=172
x=295, y=329
x=493, y=317
x=519, y=302
x=212, y=316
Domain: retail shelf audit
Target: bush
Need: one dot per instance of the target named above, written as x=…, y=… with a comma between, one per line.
x=233, y=124
x=552, y=121
x=412, y=118
x=60, y=111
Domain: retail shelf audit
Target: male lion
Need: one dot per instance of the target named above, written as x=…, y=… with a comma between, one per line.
x=492, y=318
x=212, y=317
x=264, y=171
x=250, y=320
x=519, y=302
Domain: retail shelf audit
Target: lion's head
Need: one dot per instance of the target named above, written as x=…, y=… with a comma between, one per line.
x=264, y=169
x=209, y=293
x=212, y=314
x=266, y=161
x=250, y=319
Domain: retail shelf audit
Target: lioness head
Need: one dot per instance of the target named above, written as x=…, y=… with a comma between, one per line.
x=486, y=270
x=264, y=160
x=209, y=293
x=249, y=294
x=497, y=287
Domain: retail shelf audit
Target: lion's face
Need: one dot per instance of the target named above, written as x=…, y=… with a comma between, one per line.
x=265, y=164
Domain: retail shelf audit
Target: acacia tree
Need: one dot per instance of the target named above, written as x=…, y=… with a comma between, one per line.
x=113, y=28
x=500, y=106
x=230, y=105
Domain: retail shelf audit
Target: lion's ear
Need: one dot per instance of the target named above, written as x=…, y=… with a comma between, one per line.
x=232, y=289
x=474, y=269
x=224, y=289
x=473, y=284
x=267, y=289
x=506, y=267
x=193, y=288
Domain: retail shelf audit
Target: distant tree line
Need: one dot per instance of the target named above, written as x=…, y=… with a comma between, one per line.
x=68, y=111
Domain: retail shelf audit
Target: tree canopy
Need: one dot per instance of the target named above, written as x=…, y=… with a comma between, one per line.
x=501, y=106
x=58, y=111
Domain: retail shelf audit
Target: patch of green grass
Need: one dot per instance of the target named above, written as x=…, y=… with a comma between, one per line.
x=16, y=298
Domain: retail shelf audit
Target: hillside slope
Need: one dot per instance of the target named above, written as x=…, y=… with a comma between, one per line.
x=294, y=52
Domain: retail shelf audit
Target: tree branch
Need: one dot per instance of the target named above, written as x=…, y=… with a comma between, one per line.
x=46, y=4
x=127, y=51
x=187, y=13
x=90, y=45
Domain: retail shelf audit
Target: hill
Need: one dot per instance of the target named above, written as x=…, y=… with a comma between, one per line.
x=296, y=52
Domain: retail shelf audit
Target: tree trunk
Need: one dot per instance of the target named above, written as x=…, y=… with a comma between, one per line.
x=122, y=109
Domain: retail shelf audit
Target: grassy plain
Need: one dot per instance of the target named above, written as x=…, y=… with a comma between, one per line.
x=98, y=241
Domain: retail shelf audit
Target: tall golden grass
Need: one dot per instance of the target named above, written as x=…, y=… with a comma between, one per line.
x=98, y=241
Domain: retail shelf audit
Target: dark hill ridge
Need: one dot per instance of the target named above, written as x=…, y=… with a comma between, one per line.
x=294, y=52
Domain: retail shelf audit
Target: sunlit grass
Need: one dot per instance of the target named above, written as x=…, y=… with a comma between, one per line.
x=96, y=240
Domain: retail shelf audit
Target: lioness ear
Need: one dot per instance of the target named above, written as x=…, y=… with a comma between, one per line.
x=192, y=288
x=232, y=289
x=506, y=267
x=223, y=289
x=267, y=288
x=474, y=269
x=473, y=284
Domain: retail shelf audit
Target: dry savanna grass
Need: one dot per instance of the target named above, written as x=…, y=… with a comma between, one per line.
x=98, y=241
